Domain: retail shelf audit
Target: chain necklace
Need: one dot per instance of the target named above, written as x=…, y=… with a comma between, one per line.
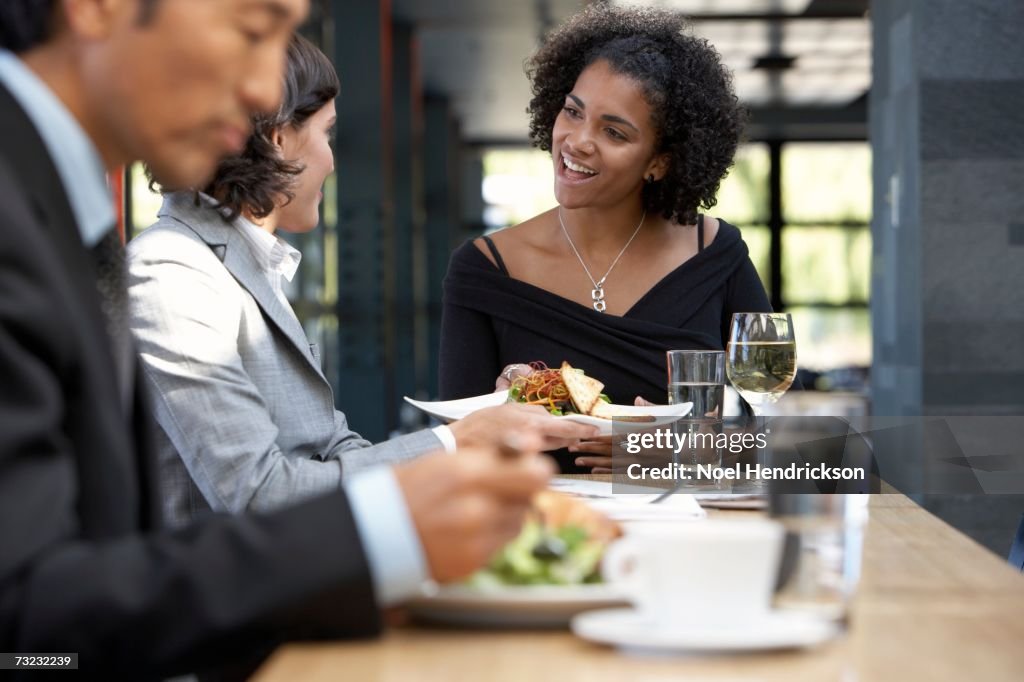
x=597, y=293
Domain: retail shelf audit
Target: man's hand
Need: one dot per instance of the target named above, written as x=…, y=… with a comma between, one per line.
x=492, y=425
x=465, y=508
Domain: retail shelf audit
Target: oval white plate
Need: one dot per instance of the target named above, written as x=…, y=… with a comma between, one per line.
x=453, y=410
x=513, y=605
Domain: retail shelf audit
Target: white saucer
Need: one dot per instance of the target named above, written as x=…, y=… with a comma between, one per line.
x=628, y=629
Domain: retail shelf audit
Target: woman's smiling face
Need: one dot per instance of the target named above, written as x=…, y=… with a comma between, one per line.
x=603, y=141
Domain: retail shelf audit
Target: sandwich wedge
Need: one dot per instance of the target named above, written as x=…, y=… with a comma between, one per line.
x=584, y=391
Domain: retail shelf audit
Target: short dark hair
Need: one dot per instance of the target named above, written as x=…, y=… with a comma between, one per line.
x=258, y=177
x=695, y=111
x=27, y=23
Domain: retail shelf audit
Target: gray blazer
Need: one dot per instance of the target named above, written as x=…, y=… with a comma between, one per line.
x=247, y=418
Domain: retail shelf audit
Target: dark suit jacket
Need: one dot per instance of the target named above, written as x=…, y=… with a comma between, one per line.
x=84, y=566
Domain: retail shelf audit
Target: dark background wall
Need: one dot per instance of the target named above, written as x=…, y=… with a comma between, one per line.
x=947, y=132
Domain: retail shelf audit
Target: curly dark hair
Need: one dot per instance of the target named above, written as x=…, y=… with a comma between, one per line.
x=258, y=178
x=694, y=108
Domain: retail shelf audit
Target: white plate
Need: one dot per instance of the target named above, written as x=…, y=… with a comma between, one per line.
x=513, y=605
x=453, y=410
x=635, y=506
x=628, y=629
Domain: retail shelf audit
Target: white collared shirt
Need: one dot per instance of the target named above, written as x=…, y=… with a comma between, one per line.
x=277, y=258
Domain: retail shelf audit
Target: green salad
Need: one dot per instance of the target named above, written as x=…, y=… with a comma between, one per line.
x=530, y=559
x=551, y=389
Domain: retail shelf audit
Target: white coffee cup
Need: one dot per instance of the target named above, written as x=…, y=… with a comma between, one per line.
x=706, y=572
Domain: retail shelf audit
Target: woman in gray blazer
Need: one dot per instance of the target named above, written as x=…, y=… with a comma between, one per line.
x=247, y=417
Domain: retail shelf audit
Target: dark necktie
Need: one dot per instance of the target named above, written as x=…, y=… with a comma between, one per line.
x=111, y=278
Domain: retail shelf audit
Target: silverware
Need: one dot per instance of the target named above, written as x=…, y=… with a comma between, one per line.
x=549, y=547
x=664, y=495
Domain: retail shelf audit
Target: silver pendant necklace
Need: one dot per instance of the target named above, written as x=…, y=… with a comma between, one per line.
x=597, y=293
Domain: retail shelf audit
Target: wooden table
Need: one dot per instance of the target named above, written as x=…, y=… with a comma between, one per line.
x=932, y=605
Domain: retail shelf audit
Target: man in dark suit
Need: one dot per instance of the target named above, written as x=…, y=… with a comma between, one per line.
x=93, y=84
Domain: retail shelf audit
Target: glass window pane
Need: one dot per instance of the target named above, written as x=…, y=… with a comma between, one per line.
x=145, y=203
x=826, y=265
x=829, y=338
x=308, y=283
x=518, y=184
x=330, y=232
x=743, y=194
x=826, y=182
x=759, y=242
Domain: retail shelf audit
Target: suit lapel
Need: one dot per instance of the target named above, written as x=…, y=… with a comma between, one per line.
x=241, y=263
x=239, y=260
x=22, y=145
x=106, y=462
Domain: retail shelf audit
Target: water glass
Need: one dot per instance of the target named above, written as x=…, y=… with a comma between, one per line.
x=698, y=377
x=821, y=558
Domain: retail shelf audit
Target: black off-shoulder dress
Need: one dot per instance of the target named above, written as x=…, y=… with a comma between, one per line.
x=491, y=320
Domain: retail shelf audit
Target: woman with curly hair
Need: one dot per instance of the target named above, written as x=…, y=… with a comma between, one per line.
x=642, y=124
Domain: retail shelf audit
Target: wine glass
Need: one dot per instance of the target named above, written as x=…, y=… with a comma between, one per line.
x=761, y=361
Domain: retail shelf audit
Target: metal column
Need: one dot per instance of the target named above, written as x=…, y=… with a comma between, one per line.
x=364, y=158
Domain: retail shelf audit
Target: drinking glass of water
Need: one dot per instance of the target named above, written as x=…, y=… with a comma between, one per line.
x=698, y=377
x=821, y=560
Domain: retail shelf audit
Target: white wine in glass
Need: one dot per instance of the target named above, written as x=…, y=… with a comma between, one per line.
x=762, y=371
x=761, y=357
x=760, y=361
